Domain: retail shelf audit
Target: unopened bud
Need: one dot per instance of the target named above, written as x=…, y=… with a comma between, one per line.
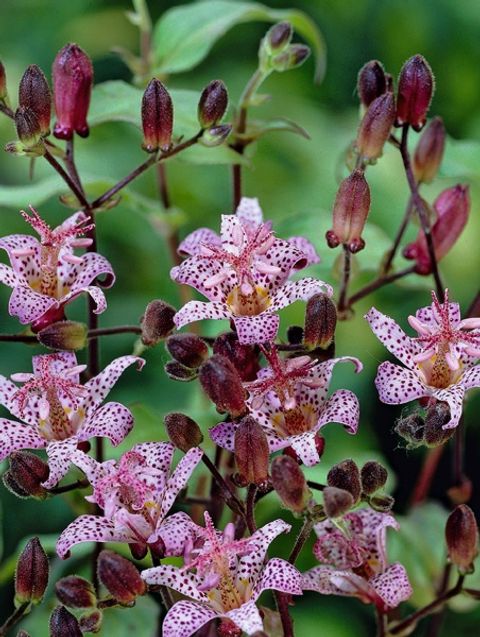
x=411, y=429
x=91, y=622
x=251, y=452
x=336, y=502
x=228, y=628
x=183, y=431
x=216, y=135
x=243, y=357
x=461, y=534
x=157, y=117
x=350, y=211
x=34, y=93
x=437, y=416
x=72, y=87
x=177, y=371
x=375, y=127
x=223, y=385
x=157, y=322
x=64, y=624
x=371, y=82
x=213, y=104
x=120, y=577
x=279, y=36
x=28, y=127
x=138, y=550
x=188, y=349
x=381, y=503
x=290, y=484
x=26, y=474
x=374, y=477
x=320, y=321
x=415, y=90
x=429, y=151
x=346, y=475
x=31, y=574
x=292, y=57
x=75, y=592
x=3, y=83
x=64, y=335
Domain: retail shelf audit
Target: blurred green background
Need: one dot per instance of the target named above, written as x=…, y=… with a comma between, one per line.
x=295, y=181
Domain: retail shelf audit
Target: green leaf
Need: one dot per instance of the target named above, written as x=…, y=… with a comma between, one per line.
x=461, y=160
x=281, y=124
x=184, y=35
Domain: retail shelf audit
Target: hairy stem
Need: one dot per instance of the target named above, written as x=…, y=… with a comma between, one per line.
x=282, y=605
x=227, y=490
x=301, y=539
x=78, y=484
x=14, y=618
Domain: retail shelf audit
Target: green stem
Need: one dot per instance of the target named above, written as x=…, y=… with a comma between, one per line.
x=398, y=238
x=301, y=539
x=227, y=491
x=66, y=178
x=378, y=283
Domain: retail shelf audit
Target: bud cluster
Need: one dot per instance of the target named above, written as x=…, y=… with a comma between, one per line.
x=276, y=52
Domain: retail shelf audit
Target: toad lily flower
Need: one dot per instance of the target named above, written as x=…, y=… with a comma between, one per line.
x=244, y=273
x=224, y=579
x=46, y=275
x=136, y=494
x=57, y=412
x=440, y=362
x=289, y=400
x=352, y=552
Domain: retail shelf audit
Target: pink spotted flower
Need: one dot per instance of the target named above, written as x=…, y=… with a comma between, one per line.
x=46, y=274
x=290, y=401
x=223, y=578
x=244, y=273
x=136, y=493
x=352, y=553
x=55, y=412
x=439, y=362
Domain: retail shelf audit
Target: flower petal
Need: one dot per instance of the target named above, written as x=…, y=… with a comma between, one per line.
x=342, y=407
x=197, y=271
x=278, y=575
x=28, y=306
x=247, y=618
x=26, y=266
x=158, y=455
x=300, y=290
x=179, y=478
x=113, y=421
x=397, y=385
x=319, y=579
x=95, y=292
x=176, y=578
x=305, y=448
x=100, y=385
x=89, y=528
x=59, y=454
x=392, y=586
x=249, y=212
x=8, y=276
x=199, y=310
x=471, y=378
x=257, y=329
x=454, y=396
x=15, y=436
x=185, y=618
x=94, y=470
x=393, y=337
x=192, y=244
x=81, y=275
x=307, y=247
x=175, y=531
x=7, y=393
x=223, y=435
x=250, y=565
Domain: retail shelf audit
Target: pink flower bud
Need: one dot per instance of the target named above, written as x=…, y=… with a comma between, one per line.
x=75, y=592
x=34, y=93
x=157, y=322
x=31, y=574
x=64, y=624
x=320, y=321
x=72, y=86
x=375, y=127
x=251, y=452
x=461, y=534
x=187, y=349
x=290, y=484
x=183, y=431
x=64, y=335
x=3, y=83
x=415, y=90
x=223, y=385
x=429, y=151
x=157, y=117
x=371, y=82
x=374, y=477
x=243, y=357
x=120, y=577
x=336, y=502
x=346, y=475
x=213, y=104
x=26, y=474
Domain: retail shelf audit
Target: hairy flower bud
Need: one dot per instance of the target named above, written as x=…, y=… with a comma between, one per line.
x=216, y=135
x=188, y=349
x=177, y=371
x=336, y=502
x=251, y=452
x=279, y=36
x=157, y=322
x=223, y=385
x=381, y=503
x=320, y=321
x=243, y=357
x=3, y=84
x=292, y=57
x=374, y=129
x=213, y=104
x=27, y=127
x=350, y=211
x=34, y=93
x=461, y=534
x=346, y=475
x=371, y=82
x=31, y=574
x=120, y=577
x=373, y=476
x=91, y=622
x=157, y=117
x=437, y=416
x=183, y=431
x=290, y=484
x=64, y=335
x=26, y=474
x=63, y=623
x=75, y=592
x=411, y=428
x=72, y=86
x=429, y=151
x=415, y=90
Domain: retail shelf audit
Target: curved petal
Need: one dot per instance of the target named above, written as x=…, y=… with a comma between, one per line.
x=8, y=276
x=305, y=448
x=454, y=396
x=342, y=407
x=249, y=213
x=179, y=478
x=29, y=306
x=471, y=378
x=397, y=385
x=113, y=421
x=257, y=329
x=176, y=578
x=59, y=454
x=58, y=363
x=278, y=575
x=185, y=618
x=428, y=315
x=318, y=579
x=81, y=275
x=199, y=310
x=192, y=244
x=196, y=272
x=95, y=292
x=223, y=435
x=89, y=528
x=247, y=618
x=392, y=586
x=250, y=565
x=301, y=290
x=393, y=337
x=7, y=392
x=99, y=386
x=158, y=455
x=15, y=436
x=26, y=266
x=307, y=247
x=175, y=531
x=94, y=470
x=232, y=234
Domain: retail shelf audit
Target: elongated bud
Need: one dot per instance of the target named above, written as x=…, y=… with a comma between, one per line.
x=374, y=477
x=64, y=335
x=120, y=577
x=157, y=117
x=28, y=127
x=437, y=416
x=350, y=211
x=26, y=474
x=223, y=385
x=216, y=135
x=429, y=151
x=75, y=592
x=371, y=82
x=381, y=503
x=251, y=452
x=279, y=36
x=188, y=349
x=292, y=57
x=34, y=93
x=157, y=322
x=320, y=321
x=183, y=431
x=290, y=484
x=375, y=127
x=91, y=622
x=72, y=87
x=177, y=371
x=31, y=574
x=461, y=534
x=3, y=84
x=64, y=624
x=346, y=475
x=243, y=357
x=213, y=104
x=415, y=90
x=336, y=502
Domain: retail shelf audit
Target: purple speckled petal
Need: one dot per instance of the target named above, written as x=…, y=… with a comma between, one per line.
x=195, y=271
x=15, y=436
x=318, y=579
x=233, y=234
x=93, y=265
x=300, y=290
x=157, y=454
x=175, y=532
x=223, y=435
x=185, y=618
x=393, y=337
x=305, y=448
x=247, y=618
x=471, y=378
x=250, y=565
x=262, y=328
x=59, y=454
x=397, y=385
x=176, y=578
x=29, y=306
x=278, y=575
x=113, y=421
x=454, y=396
x=342, y=407
x=100, y=385
x=94, y=470
x=59, y=362
x=28, y=266
x=8, y=276
x=89, y=528
x=95, y=292
x=427, y=316
x=307, y=247
x=7, y=392
x=199, y=310
x=249, y=213
x=192, y=244
x=392, y=586
x=179, y=478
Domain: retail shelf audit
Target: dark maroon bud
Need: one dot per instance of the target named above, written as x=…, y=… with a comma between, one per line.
x=382, y=503
x=461, y=493
x=64, y=335
x=183, y=432
x=411, y=429
x=64, y=624
x=336, y=502
x=260, y=633
x=294, y=56
x=461, y=534
x=157, y=322
x=26, y=474
x=223, y=385
x=243, y=357
x=375, y=127
x=251, y=452
x=187, y=349
x=227, y=628
x=216, y=135
x=3, y=84
x=295, y=334
x=346, y=475
x=31, y=574
x=320, y=321
x=157, y=117
x=91, y=622
x=437, y=416
x=213, y=104
x=27, y=126
x=34, y=93
x=157, y=549
x=429, y=151
x=350, y=211
x=374, y=477
x=138, y=550
x=75, y=592
x=72, y=86
x=415, y=89
x=279, y=36
x=177, y=371
x=120, y=577
x=371, y=82
x=290, y=484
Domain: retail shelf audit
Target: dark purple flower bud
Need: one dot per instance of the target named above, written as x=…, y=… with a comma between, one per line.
x=251, y=452
x=346, y=475
x=64, y=335
x=26, y=474
x=91, y=622
x=138, y=550
x=294, y=56
x=120, y=577
x=375, y=127
x=157, y=117
x=188, y=349
x=75, y=592
x=243, y=357
x=429, y=151
x=223, y=385
x=34, y=93
x=216, y=135
x=31, y=574
x=72, y=86
x=320, y=321
x=213, y=104
x=415, y=89
x=371, y=82
x=28, y=127
x=374, y=477
x=183, y=431
x=64, y=624
x=461, y=534
x=381, y=503
x=290, y=484
x=336, y=502
x=227, y=628
x=279, y=36
x=177, y=371
x=411, y=429
x=3, y=83
x=157, y=322
x=437, y=416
